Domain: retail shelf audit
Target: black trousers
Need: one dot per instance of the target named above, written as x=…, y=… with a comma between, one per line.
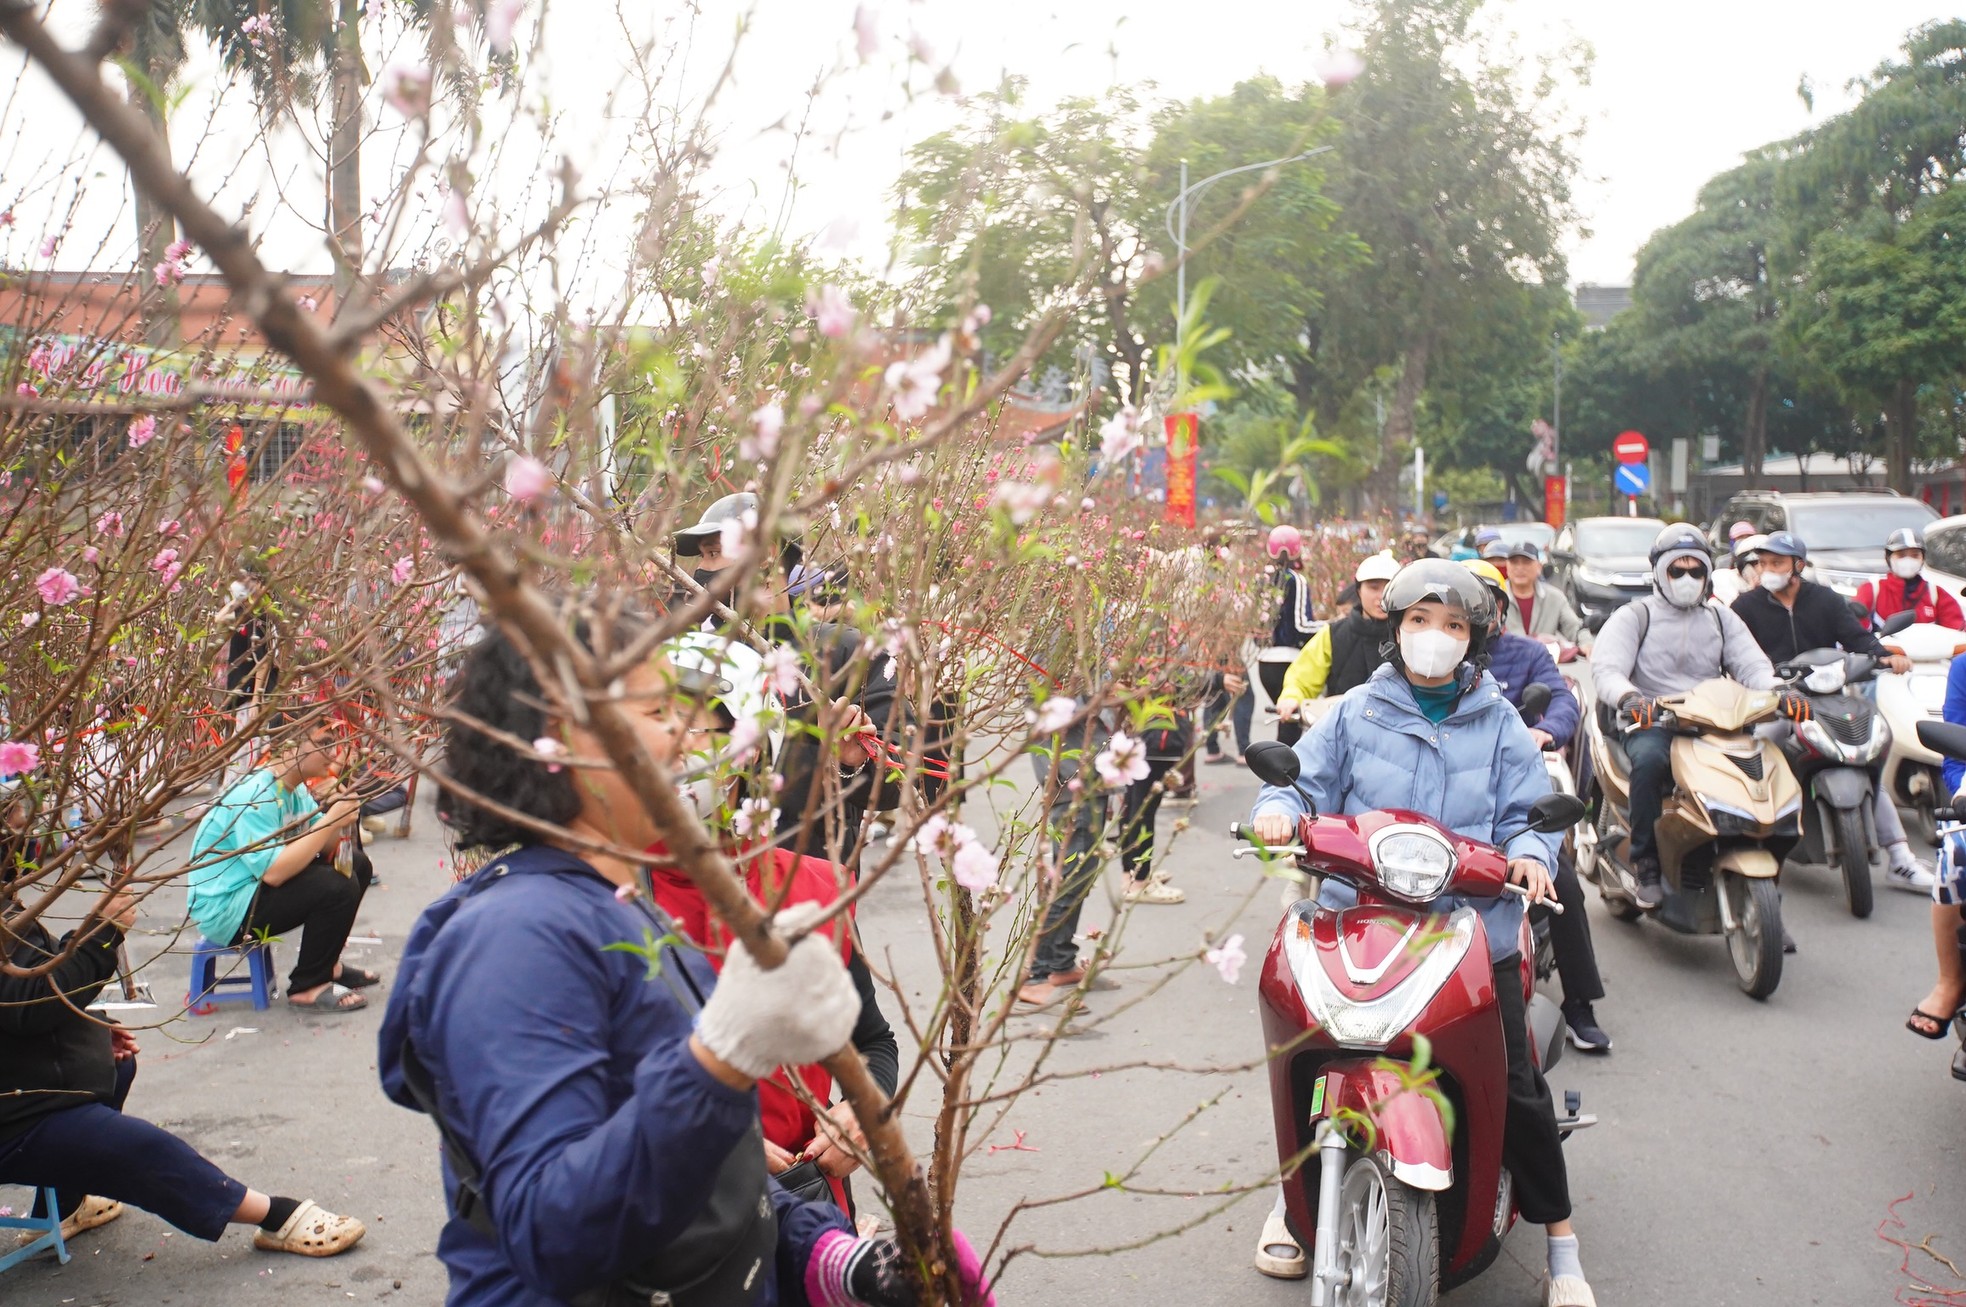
x=1075, y=822
x=1272, y=674
x=1570, y=939
x=95, y=1149
x=1531, y=1148
x=321, y=904
x=1139, y=809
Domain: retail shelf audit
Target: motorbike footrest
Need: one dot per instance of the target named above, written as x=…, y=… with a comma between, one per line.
x=1565, y=1125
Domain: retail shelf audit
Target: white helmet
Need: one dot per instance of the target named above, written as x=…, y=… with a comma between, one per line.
x=1381, y=566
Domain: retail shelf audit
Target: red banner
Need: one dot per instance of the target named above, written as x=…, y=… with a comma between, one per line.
x=1553, y=505
x=235, y=457
x=1182, y=447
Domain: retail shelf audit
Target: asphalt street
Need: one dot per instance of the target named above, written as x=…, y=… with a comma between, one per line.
x=1748, y=1153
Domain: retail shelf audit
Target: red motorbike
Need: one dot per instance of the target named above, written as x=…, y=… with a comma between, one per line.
x=1387, y=1055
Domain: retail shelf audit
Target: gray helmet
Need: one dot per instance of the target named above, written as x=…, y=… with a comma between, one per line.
x=1436, y=580
x=689, y=540
x=1905, y=537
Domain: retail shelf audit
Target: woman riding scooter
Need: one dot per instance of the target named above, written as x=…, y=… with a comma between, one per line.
x=1432, y=733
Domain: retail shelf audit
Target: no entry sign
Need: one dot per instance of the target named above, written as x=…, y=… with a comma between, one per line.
x=1630, y=447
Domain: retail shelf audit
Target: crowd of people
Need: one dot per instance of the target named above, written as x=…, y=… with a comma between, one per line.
x=604, y=1135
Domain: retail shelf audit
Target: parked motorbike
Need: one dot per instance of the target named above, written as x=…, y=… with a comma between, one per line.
x=1404, y=1204
x=1732, y=815
x=1833, y=757
x=1911, y=771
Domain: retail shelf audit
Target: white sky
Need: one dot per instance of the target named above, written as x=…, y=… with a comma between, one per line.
x=1681, y=89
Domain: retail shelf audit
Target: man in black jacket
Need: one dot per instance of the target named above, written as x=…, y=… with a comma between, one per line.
x=1788, y=616
x=63, y=1078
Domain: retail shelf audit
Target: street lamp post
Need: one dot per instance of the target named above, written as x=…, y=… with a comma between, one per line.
x=1177, y=223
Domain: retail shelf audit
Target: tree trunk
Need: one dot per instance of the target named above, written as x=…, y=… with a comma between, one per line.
x=160, y=308
x=1383, y=481
x=345, y=154
x=1901, y=420
x=1754, y=431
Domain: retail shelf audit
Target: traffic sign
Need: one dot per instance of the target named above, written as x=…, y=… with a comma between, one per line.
x=1632, y=478
x=1630, y=447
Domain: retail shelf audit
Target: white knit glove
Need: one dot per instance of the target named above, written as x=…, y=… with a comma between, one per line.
x=797, y=1013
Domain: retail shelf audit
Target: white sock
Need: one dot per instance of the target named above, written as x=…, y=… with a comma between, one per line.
x=1564, y=1259
x=1901, y=859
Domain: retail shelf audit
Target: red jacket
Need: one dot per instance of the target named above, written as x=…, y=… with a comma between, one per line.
x=1887, y=597
x=787, y=1121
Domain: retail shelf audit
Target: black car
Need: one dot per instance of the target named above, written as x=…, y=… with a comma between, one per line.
x=1601, y=563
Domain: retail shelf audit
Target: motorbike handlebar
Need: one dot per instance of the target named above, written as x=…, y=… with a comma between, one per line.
x=1513, y=888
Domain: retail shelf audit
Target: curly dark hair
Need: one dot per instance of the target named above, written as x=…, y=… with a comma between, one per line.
x=495, y=686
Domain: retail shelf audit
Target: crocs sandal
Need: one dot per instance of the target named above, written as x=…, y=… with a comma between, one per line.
x=330, y=1000
x=1569, y=1291
x=356, y=978
x=1926, y=1026
x=312, y=1231
x=92, y=1212
x=1277, y=1265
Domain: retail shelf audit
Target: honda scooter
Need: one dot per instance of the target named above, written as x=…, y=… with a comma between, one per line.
x=1401, y=1204
x=1911, y=771
x=1833, y=756
x=1732, y=815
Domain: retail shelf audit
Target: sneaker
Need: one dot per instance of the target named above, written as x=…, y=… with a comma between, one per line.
x=1915, y=878
x=1585, y=1034
x=1650, y=888
x=1153, y=891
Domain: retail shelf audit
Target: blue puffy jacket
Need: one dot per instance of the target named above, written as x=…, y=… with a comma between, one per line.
x=1477, y=773
x=1515, y=661
x=567, y=1073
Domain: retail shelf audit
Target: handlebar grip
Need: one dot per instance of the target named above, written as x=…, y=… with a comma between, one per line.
x=1236, y=831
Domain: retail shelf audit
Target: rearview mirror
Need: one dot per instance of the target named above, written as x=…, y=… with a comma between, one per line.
x=1897, y=622
x=1944, y=738
x=1559, y=812
x=1273, y=762
x=1535, y=701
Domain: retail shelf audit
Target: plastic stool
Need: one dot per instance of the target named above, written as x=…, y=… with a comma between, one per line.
x=50, y=1225
x=209, y=988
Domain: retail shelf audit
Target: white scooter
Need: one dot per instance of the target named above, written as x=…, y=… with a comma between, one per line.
x=1911, y=771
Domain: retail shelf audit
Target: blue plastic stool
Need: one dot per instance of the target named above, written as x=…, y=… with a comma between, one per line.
x=209, y=988
x=50, y=1225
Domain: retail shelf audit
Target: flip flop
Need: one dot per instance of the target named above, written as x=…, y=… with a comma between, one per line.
x=357, y=978
x=1936, y=1030
x=329, y=1000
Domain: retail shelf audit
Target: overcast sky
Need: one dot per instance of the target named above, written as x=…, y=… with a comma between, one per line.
x=1681, y=88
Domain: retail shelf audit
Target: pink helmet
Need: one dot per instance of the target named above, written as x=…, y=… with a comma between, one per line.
x=1738, y=530
x=1286, y=539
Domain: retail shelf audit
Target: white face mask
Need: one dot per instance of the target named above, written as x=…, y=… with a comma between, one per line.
x=1774, y=582
x=1906, y=568
x=702, y=790
x=1431, y=653
x=1685, y=591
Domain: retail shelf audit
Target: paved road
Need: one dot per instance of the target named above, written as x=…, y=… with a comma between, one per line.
x=1748, y=1151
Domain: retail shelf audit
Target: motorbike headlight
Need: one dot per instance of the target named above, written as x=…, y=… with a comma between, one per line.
x=1412, y=861
x=1827, y=679
x=1821, y=741
x=1729, y=821
x=1375, y=1023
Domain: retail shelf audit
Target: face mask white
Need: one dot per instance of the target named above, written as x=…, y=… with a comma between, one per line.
x=1774, y=582
x=702, y=790
x=1906, y=568
x=1431, y=653
x=1685, y=591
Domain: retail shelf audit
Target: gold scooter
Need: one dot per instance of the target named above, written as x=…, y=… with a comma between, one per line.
x=1732, y=815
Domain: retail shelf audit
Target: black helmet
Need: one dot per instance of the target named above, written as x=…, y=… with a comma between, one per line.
x=1437, y=580
x=1678, y=538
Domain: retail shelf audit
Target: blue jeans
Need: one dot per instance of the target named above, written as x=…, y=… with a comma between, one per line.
x=1074, y=824
x=95, y=1149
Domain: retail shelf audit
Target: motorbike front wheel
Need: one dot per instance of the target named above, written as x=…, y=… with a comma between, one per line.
x=1755, y=943
x=1853, y=858
x=1388, y=1251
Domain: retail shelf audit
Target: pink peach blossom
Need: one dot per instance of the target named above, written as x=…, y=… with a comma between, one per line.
x=57, y=586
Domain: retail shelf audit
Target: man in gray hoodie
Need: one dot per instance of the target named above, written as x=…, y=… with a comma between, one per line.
x=1665, y=643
